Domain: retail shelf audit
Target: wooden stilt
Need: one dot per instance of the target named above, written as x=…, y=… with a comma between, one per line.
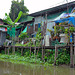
x=74, y=56
x=5, y=50
x=74, y=48
x=13, y=50
x=21, y=51
x=8, y=50
x=35, y=51
x=38, y=51
x=42, y=53
x=56, y=54
x=30, y=51
x=71, y=56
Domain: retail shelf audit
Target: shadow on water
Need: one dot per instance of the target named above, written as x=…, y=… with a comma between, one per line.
x=7, y=68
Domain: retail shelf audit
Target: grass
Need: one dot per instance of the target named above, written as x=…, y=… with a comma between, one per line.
x=21, y=59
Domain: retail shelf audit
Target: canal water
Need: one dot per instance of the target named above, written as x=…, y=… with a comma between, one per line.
x=7, y=68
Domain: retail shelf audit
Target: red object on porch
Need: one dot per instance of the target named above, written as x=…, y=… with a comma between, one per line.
x=5, y=29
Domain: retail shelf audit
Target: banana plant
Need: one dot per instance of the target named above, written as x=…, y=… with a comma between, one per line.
x=10, y=22
x=11, y=25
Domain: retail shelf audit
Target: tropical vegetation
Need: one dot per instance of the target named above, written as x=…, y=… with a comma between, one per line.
x=16, y=7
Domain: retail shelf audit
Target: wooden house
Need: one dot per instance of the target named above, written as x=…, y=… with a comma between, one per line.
x=27, y=25
x=49, y=15
x=2, y=33
x=46, y=18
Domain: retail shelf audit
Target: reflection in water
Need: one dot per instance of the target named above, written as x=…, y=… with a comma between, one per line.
x=7, y=68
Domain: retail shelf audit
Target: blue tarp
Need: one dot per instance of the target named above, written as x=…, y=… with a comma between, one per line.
x=70, y=38
x=71, y=20
x=39, y=25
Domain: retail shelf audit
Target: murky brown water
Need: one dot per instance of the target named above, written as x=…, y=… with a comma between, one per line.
x=7, y=68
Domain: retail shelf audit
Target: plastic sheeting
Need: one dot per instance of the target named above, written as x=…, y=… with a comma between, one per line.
x=39, y=25
x=64, y=15
x=71, y=20
x=11, y=31
x=25, y=30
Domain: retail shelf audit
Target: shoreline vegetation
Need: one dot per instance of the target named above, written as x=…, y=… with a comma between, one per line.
x=63, y=57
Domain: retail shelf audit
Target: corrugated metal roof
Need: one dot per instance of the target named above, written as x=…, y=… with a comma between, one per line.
x=28, y=18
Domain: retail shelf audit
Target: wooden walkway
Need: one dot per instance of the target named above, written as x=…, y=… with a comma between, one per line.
x=45, y=47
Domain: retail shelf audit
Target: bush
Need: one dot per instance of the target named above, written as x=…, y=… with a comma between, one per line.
x=23, y=36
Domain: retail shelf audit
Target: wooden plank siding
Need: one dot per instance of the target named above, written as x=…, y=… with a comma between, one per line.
x=29, y=29
x=36, y=27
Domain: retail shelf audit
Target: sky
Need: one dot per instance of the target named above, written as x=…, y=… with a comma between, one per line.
x=32, y=5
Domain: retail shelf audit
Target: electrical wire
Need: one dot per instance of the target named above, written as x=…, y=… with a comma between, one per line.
x=58, y=3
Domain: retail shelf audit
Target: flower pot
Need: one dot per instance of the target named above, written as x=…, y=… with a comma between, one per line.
x=63, y=38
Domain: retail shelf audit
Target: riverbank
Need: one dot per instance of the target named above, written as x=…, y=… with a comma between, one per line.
x=21, y=59
x=63, y=58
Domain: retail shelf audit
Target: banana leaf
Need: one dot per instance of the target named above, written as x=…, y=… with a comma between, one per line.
x=18, y=25
x=8, y=22
x=5, y=26
x=8, y=19
x=19, y=16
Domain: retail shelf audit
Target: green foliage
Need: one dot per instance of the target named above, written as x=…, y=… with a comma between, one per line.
x=9, y=21
x=11, y=25
x=63, y=57
x=23, y=36
x=56, y=29
x=19, y=59
x=62, y=29
x=5, y=26
x=66, y=30
x=16, y=7
x=38, y=37
x=71, y=29
x=51, y=33
x=19, y=16
x=30, y=42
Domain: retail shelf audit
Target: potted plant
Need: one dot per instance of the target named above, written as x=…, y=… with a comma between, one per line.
x=62, y=34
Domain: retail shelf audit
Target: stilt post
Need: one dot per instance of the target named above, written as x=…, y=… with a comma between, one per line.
x=5, y=50
x=71, y=56
x=56, y=54
x=21, y=51
x=13, y=50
